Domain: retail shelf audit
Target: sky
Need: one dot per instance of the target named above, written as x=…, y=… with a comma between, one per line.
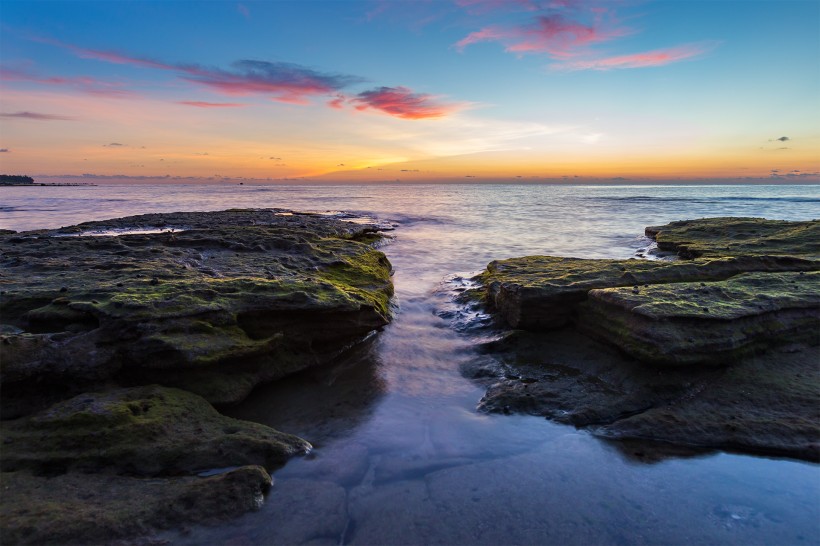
x=423, y=90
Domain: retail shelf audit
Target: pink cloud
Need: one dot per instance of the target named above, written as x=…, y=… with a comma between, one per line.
x=337, y=102
x=243, y=9
x=550, y=34
x=202, y=104
x=658, y=57
x=402, y=102
x=282, y=82
x=85, y=84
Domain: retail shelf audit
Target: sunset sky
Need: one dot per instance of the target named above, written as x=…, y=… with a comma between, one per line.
x=412, y=90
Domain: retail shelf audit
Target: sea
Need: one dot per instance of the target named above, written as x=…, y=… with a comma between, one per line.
x=401, y=456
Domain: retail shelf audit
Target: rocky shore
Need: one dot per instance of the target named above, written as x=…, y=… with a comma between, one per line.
x=119, y=338
x=718, y=349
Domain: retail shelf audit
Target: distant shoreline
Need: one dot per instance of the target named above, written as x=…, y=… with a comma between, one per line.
x=50, y=185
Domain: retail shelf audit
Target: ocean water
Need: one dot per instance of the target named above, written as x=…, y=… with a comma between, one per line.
x=401, y=456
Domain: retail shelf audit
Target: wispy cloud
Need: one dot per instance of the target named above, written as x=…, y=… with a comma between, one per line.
x=243, y=10
x=569, y=31
x=403, y=103
x=4, y=151
x=281, y=81
x=203, y=104
x=284, y=82
x=658, y=57
x=552, y=34
x=114, y=145
x=35, y=116
x=85, y=84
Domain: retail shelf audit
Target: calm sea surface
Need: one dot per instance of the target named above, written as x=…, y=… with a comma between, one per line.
x=401, y=456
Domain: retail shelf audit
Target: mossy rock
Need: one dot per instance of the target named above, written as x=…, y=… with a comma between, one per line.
x=145, y=431
x=257, y=293
x=706, y=323
x=542, y=292
x=729, y=236
x=78, y=508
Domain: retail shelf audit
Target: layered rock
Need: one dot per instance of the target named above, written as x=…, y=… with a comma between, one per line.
x=729, y=236
x=224, y=301
x=100, y=320
x=542, y=292
x=716, y=351
x=706, y=323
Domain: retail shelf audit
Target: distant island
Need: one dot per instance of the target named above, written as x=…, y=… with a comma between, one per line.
x=22, y=180
x=15, y=179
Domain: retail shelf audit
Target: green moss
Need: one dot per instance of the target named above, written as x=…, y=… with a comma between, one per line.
x=738, y=237
x=146, y=430
x=366, y=275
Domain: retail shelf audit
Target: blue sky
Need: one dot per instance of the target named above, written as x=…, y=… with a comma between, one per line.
x=431, y=89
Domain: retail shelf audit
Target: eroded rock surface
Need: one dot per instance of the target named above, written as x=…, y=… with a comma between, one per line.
x=717, y=351
x=236, y=298
x=101, y=320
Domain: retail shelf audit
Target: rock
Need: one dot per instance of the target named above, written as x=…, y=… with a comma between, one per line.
x=144, y=431
x=124, y=462
x=542, y=292
x=78, y=508
x=718, y=352
x=738, y=236
x=233, y=299
x=766, y=404
x=706, y=323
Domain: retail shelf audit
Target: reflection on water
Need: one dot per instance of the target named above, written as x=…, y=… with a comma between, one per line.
x=402, y=457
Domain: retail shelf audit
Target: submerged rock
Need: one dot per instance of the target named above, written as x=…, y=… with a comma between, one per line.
x=229, y=300
x=720, y=351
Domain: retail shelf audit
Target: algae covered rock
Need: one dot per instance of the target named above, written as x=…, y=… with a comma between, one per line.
x=211, y=302
x=78, y=508
x=542, y=292
x=698, y=323
x=738, y=237
x=124, y=462
x=718, y=350
x=143, y=431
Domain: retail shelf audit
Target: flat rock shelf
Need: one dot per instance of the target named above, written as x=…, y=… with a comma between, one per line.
x=717, y=349
x=117, y=347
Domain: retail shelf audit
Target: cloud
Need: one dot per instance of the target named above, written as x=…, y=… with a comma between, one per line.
x=114, y=145
x=85, y=84
x=281, y=81
x=658, y=57
x=243, y=10
x=284, y=82
x=203, y=104
x=35, y=116
x=4, y=151
x=403, y=103
x=568, y=31
x=783, y=139
x=552, y=34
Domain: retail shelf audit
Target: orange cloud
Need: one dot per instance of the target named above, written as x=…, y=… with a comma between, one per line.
x=402, y=102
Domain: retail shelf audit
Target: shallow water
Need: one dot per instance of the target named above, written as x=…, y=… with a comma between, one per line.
x=401, y=456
